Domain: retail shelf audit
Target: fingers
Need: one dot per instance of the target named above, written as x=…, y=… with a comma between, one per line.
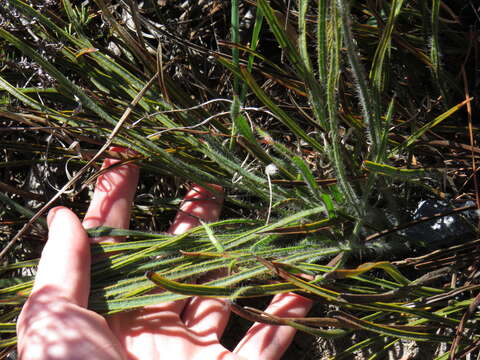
x=206, y=316
x=65, y=261
x=202, y=316
x=161, y=325
x=112, y=198
x=199, y=203
x=270, y=342
x=63, y=276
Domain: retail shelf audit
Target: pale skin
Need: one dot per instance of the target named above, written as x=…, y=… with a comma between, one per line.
x=55, y=323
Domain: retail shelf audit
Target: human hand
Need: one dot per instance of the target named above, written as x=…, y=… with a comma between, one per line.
x=56, y=324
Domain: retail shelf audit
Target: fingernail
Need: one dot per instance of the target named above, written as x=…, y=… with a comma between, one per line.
x=52, y=213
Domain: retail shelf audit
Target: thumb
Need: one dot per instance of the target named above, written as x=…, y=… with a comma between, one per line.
x=65, y=262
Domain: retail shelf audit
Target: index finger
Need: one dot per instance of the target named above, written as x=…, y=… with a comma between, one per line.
x=112, y=199
x=64, y=268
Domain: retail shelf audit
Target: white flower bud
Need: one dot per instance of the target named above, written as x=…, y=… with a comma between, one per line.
x=271, y=169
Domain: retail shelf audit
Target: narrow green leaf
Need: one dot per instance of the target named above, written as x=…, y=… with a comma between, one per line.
x=70, y=87
x=385, y=265
x=216, y=291
x=322, y=52
x=8, y=342
x=20, y=95
x=305, y=285
x=257, y=27
x=390, y=331
x=20, y=209
x=377, y=70
x=6, y=328
x=381, y=156
x=306, y=174
x=394, y=172
x=280, y=34
x=109, y=231
x=281, y=115
x=363, y=88
x=218, y=245
x=412, y=138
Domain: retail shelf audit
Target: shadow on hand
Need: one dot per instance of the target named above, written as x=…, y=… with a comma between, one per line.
x=53, y=327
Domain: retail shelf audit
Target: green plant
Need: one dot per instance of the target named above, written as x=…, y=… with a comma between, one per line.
x=323, y=92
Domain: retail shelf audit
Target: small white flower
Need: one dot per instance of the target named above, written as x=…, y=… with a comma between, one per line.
x=271, y=169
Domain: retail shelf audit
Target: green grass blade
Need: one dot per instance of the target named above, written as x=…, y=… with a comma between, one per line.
x=389, y=331
x=281, y=36
x=281, y=115
x=417, y=134
x=218, y=245
x=68, y=85
x=394, y=172
x=378, y=66
x=322, y=52
x=364, y=93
